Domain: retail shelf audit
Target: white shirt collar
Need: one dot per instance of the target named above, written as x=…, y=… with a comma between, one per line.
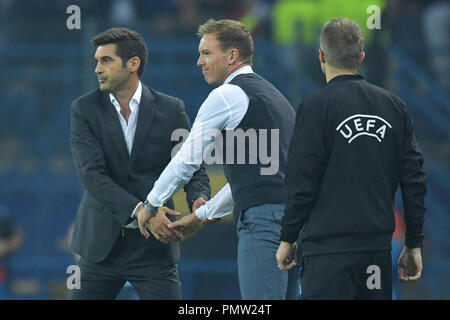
x=242, y=70
x=136, y=98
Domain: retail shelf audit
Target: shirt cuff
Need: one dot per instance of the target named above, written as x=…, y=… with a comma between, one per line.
x=289, y=236
x=201, y=212
x=135, y=208
x=414, y=242
x=154, y=200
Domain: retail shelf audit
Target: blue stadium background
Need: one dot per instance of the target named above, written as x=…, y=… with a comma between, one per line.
x=44, y=66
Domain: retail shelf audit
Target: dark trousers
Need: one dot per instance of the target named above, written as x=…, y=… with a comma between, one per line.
x=347, y=276
x=128, y=261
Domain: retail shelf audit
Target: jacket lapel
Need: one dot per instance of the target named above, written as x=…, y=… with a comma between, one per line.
x=112, y=123
x=144, y=122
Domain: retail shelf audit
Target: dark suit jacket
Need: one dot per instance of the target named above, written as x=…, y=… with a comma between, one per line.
x=115, y=181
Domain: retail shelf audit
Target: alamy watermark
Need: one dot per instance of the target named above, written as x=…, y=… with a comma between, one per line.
x=251, y=146
x=374, y=20
x=74, y=280
x=374, y=280
x=74, y=20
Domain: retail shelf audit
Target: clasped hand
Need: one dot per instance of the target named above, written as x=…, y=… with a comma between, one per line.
x=190, y=224
x=157, y=224
x=164, y=230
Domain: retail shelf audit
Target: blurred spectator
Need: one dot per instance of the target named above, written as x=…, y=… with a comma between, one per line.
x=31, y=21
x=11, y=148
x=255, y=15
x=158, y=16
x=19, y=123
x=376, y=67
x=287, y=15
x=19, y=110
x=172, y=17
x=61, y=164
x=30, y=8
x=188, y=17
x=296, y=27
x=436, y=24
x=123, y=13
x=404, y=18
x=11, y=238
x=217, y=9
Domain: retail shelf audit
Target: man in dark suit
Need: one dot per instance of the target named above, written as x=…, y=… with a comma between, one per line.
x=121, y=142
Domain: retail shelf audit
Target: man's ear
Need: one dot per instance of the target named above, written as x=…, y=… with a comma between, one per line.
x=234, y=56
x=133, y=64
x=361, y=58
x=321, y=56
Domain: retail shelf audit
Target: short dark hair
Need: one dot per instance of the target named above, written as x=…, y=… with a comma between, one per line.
x=230, y=34
x=129, y=44
x=342, y=43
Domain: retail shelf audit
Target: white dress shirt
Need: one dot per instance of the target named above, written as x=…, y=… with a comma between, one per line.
x=223, y=109
x=129, y=129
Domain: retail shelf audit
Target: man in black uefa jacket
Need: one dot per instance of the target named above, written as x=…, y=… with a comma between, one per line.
x=353, y=144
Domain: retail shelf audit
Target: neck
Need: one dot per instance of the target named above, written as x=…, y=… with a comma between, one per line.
x=234, y=68
x=331, y=72
x=124, y=94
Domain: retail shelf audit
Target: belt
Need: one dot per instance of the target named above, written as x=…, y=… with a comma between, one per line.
x=126, y=232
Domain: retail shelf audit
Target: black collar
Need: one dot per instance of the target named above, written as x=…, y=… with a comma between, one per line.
x=346, y=77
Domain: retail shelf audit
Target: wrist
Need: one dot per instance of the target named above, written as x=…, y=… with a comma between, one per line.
x=137, y=210
x=150, y=208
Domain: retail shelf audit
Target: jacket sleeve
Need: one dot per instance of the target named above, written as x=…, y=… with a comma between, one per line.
x=199, y=185
x=413, y=187
x=90, y=165
x=307, y=159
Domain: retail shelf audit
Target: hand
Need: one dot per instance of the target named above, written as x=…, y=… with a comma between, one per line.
x=286, y=255
x=189, y=225
x=198, y=203
x=143, y=217
x=157, y=224
x=410, y=265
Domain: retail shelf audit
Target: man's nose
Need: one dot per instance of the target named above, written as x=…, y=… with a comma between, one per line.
x=200, y=62
x=98, y=69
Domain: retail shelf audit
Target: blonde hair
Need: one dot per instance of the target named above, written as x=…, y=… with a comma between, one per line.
x=230, y=34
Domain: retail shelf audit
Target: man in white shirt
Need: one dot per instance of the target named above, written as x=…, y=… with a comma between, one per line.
x=247, y=108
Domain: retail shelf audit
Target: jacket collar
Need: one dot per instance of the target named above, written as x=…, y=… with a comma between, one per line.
x=346, y=77
x=144, y=122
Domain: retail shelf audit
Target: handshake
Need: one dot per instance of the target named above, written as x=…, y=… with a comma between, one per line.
x=167, y=231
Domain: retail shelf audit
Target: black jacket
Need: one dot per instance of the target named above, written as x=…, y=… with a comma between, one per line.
x=115, y=181
x=353, y=144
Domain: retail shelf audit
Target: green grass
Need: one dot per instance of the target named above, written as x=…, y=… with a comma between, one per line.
x=216, y=179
